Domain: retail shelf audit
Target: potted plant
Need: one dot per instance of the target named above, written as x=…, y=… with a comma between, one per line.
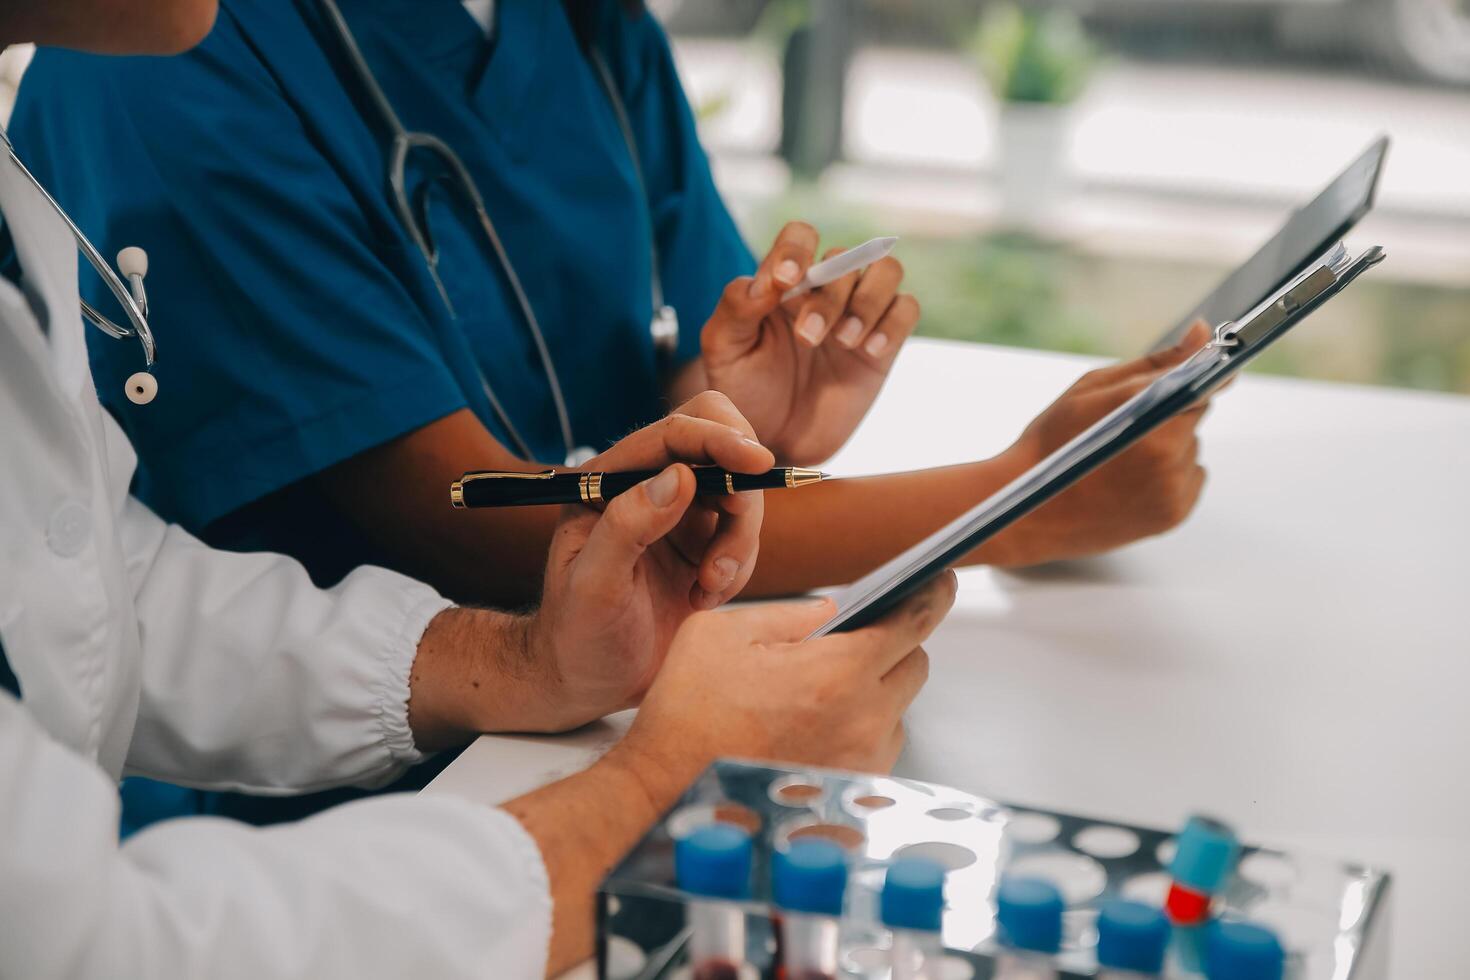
x=1037, y=61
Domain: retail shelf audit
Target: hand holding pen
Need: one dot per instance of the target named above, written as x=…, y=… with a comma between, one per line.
x=804, y=346
x=711, y=546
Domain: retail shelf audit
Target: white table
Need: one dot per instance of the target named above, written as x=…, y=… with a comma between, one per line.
x=1295, y=658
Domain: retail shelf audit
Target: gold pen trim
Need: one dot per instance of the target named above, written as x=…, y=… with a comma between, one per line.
x=730, y=483
x=456, y=489
x=474, y=475
x=589, y=488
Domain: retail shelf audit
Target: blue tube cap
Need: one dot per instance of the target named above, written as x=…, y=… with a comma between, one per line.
x=714, y=860
x=1132, y=936
x=1205, y=855
x=913, y=895
x=810, y=876
x=1029, y=911
x=1243, y=951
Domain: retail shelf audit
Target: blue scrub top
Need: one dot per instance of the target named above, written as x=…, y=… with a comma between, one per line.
x=297, y=323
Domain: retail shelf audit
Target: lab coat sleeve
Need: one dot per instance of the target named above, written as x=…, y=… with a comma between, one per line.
x=257, y=678
x=391, y=887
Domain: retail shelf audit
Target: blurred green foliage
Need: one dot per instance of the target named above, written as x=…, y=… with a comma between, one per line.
x=1030, y=54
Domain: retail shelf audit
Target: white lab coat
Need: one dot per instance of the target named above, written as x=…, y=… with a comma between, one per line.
x=141, y=651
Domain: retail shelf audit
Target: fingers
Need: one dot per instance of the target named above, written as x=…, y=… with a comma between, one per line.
x=892, y=638
x=629, y=526
x=1180, y=430
x=735, y=325
x=717, y=407
x=903, y=683
x=892, y=749
x=730, y=556
x=694, y=533
x=723, y=439
x=890, y=333
x=822, y=307
x=870, y=301
x=1194, y=338
x=1197, y=486
x=1102, y=399
x=786, y=262
x=778, y=622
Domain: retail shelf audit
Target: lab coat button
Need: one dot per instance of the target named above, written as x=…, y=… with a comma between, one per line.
x=69, y=528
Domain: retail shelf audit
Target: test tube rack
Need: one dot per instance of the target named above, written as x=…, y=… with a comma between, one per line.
x=1332, y=916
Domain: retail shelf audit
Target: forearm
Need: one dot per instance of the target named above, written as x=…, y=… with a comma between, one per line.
x=583, y=825
x=836, y=532
x=398, y=495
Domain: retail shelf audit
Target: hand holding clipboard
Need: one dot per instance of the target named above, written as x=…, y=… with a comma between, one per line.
x=1234, y=345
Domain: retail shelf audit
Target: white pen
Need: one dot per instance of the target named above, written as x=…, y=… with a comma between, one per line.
x=840, y=265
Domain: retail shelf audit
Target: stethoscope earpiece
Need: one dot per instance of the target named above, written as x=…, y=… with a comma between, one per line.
x=132, y=261
x=128, y=288
x=142, y=388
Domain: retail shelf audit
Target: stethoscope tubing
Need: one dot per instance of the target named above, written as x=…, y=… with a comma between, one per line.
x=404, y=140
x=131, y=296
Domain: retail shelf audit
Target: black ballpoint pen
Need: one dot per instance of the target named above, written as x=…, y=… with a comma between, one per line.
x=507, y=488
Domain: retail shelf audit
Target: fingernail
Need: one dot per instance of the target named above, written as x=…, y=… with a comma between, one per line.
x=851, y=330
x=704, y=600
x=751, y=442
x=875, y=344
x=788, y=272
x=757, y=287
x=663, y=488
x=728, y=568
x=812, y=328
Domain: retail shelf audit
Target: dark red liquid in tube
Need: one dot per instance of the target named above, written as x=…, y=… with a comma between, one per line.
x=716, y=970
x=803, y=974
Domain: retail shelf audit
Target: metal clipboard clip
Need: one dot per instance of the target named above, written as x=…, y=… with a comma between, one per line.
x=1329, y=274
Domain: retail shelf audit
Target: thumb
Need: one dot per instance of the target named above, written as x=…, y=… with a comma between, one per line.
x=735, y=325
x=1198, y=334
x=779, y=622
x=631, y=524
x=1192, y=340
x=1160, y=360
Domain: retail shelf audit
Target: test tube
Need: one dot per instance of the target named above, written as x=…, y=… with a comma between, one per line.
x=1029, y=912
x=912, y=905
x=714, y=861
x=1132, y=939
x=809, y=880
x=1243, y=951
x=1204, y=857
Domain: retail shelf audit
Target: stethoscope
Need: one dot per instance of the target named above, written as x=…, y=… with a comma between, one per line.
x=133, y=263
x=664, y=326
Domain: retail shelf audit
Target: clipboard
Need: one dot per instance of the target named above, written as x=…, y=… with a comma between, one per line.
x=1233, y=346
x=1307, y=233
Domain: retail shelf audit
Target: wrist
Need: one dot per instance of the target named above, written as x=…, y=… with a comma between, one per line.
x=553, y=710
x=657, y=778
x=477, y=671
x=1021, y=543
